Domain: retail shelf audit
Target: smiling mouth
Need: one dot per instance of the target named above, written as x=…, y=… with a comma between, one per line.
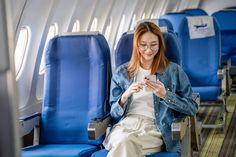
x=149, y=54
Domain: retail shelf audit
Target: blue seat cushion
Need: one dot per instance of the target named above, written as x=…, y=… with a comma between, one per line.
x=208, y=93
x=103, y=153
x=63, y=150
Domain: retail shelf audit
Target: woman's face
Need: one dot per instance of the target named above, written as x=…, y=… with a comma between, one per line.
x=148, y=47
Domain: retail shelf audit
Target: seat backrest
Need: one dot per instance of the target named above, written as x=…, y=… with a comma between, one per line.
x=124, y=48
x=175, y=19
x=194, y=12
x=77, y=83
x=230, y=8
x=227, y=23
x=165, y=23
x=201, y=55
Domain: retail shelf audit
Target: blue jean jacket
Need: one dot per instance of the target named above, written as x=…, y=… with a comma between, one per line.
x=178, y=102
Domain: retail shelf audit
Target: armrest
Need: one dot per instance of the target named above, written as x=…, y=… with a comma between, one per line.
x=28, y=123
x=196, y=98
x=196, y=127
x=221, y=73
x=98, y=126
x=179, y=127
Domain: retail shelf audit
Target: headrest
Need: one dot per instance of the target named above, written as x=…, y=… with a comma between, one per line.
x=155, y=21
x=70, y=41
x=200, y=26
x=194, y=12
x=163, y=24
x=226, y=19
x=124, y=48
x=175, y=19
x=79, y=33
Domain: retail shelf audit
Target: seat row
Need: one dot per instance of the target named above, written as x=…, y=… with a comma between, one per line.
x=78, y=71
x=200, y=39
x=76, y=93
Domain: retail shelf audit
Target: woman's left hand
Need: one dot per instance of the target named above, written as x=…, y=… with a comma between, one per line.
x=157, y=87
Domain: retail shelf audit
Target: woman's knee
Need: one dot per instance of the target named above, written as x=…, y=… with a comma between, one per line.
x=125, y=139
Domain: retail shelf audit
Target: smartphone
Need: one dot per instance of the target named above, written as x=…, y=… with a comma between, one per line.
x=151, y=77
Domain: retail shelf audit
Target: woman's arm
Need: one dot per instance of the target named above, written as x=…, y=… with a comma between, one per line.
x=180, y=98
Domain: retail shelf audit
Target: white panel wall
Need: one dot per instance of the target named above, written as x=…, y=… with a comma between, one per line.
x=40, y=14
x=35, y=16
x=101, y=12
x=83, y=12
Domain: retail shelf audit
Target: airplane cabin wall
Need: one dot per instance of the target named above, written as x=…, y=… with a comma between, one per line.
x=17, y=9
x=26, y=80
x=118, y=16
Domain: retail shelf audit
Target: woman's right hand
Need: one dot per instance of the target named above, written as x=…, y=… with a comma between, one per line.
x=133, y=88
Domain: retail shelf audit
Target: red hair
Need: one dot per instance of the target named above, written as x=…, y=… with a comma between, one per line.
x=160, y=61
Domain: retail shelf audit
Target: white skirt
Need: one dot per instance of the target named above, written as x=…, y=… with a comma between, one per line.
x=135, y=136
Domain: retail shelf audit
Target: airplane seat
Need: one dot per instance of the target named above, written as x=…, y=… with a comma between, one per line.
x=194, y=12
x=175, y=19
x=76, y=90
x=123, y=55
x=200, y=40
x=227, y=23
x=165, y=23
x=125, y=45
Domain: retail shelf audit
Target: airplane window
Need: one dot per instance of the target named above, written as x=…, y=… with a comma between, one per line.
x=76, y=26
x=21, y=48
x=108, y=29
x=120, y=31
x=53, y=30
x=94, y=25
x=133, y=22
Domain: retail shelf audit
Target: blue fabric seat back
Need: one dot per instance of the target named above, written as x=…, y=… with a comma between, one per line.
x=165, y=23
x=124, y=48
x=175, y=19
x=200, y=60
x=76, y=88
x=194, y=12
x=227, y=23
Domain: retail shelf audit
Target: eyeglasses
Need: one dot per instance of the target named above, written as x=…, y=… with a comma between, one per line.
x=144, y=46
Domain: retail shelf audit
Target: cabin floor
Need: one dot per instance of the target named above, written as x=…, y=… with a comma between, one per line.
x=215, y=143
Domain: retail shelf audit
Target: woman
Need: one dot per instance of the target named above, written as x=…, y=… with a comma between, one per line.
x=143, y=107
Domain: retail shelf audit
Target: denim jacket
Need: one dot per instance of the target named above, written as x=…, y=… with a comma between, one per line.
x=178, y=102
